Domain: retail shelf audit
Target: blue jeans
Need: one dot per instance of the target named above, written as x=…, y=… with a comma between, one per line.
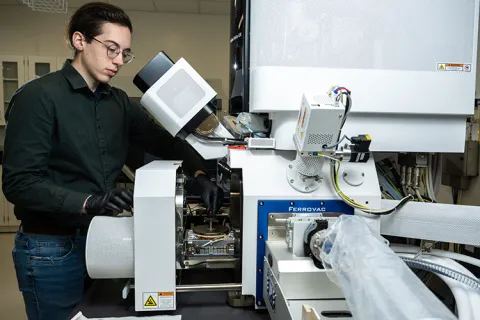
x=50, y=272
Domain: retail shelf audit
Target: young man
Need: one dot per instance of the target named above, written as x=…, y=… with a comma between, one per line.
x=66, y=141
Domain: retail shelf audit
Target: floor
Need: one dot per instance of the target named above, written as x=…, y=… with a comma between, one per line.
x=11, y=302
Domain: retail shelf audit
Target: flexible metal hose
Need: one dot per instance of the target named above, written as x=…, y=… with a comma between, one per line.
x=436, y=253
x=439, y=269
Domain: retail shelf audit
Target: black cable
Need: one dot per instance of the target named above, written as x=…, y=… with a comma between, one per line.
x=366, y=210
x=235, y=143
x=348, y=105
x=382, y=171
x=455, y=195
x=336, y=144
x=387, y=212
x=226, y=141
x=391, y=167
x=198, y=135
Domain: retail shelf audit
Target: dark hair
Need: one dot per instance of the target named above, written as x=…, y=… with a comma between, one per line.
x=89, y=19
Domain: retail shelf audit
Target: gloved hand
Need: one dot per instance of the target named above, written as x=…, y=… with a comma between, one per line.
x=113, y=202
x=211, y=194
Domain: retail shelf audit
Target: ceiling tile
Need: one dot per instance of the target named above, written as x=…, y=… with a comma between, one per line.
x=137, y=5
x=177, y=6
x=214, y=7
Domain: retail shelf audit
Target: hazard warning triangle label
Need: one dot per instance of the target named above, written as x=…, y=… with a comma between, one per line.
x=150, y=302
x=455, y=67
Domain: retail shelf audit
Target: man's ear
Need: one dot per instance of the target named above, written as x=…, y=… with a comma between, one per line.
x=78, y=41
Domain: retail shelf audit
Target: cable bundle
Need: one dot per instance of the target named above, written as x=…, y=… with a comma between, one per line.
x=334, y=169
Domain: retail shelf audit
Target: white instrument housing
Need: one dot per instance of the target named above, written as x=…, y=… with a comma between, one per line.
x=177, y=96
x=410, y=65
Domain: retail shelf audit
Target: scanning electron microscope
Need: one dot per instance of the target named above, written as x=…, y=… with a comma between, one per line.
x=321, y=88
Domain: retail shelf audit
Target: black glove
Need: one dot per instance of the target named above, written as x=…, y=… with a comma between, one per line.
x=211, y=194
x=111, y=203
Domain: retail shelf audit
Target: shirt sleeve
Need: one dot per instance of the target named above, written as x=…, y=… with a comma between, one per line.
x=154, y=139
x=28, y=139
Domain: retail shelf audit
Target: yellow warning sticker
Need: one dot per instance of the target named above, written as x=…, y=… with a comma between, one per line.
x=460, y=67
x=150, y=300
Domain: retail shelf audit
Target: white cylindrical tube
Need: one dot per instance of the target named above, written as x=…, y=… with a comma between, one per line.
x=109, y=251
x=466, y=298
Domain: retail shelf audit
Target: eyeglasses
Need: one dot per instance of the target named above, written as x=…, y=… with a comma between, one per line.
x=113, y=51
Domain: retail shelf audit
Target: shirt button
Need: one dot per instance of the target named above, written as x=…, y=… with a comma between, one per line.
x=98, y=128
x=103, y=152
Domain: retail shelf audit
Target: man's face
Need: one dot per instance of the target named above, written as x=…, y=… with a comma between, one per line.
x=95, y=57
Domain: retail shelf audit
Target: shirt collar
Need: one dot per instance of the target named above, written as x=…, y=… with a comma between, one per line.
x=76, y=80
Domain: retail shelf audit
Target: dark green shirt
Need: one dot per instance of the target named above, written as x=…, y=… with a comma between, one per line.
x=64, y=143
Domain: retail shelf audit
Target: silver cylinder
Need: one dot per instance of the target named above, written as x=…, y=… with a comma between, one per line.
x=409, y=176
x=210, y=287
x=316, y=243
x=206, y=287
x=417, y=178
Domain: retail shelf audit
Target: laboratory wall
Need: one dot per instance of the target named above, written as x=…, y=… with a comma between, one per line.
x=201, y=39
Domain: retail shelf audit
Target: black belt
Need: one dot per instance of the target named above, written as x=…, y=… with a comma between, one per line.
x=52, y=230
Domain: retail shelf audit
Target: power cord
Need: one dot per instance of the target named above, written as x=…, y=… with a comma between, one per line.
x=334, y=169
x=336, y=144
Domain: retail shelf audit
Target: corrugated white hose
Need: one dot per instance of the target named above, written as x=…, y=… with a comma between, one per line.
x=438, y=253
x=462, y=300
x=423, y=264
x=466, y=298
x=473, y=294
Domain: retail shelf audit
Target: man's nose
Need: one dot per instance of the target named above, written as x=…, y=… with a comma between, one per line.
x=118, y=61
